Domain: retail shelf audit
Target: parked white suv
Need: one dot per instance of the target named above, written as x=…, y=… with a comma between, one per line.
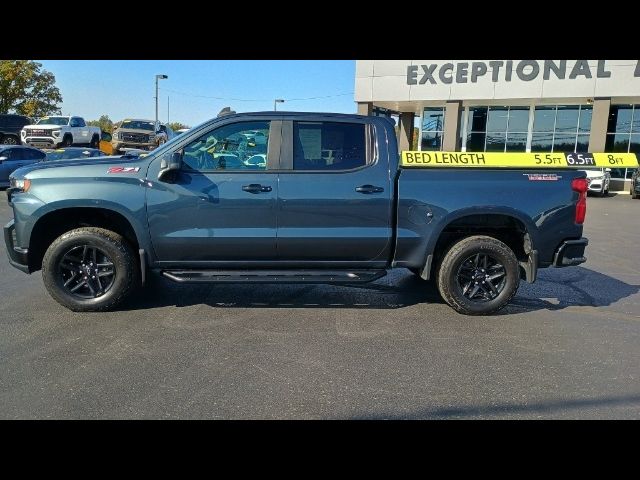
x=599, y=179
x=58, y=131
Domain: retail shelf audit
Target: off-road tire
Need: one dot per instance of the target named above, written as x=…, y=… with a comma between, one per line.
x=95, y=142
x=118, y=249
x=10, y=140
x=447, y=272
x=67, y=141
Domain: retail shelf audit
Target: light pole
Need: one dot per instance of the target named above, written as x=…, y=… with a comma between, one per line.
x=158, y=77
x=275, y=103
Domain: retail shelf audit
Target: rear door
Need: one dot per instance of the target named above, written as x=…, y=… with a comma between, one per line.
x=335, y=194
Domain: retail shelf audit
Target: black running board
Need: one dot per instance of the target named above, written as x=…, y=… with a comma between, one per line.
x=273, y=276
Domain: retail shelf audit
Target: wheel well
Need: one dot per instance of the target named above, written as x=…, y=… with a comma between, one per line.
x=55, y=223
x=505, y=228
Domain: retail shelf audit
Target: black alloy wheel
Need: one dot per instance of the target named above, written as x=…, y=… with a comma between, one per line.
x=86, y=271
x=481, y=277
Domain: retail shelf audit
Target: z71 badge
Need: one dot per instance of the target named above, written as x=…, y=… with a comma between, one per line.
x=123, y=169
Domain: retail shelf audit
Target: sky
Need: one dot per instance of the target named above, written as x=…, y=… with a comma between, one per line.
x=126, y=88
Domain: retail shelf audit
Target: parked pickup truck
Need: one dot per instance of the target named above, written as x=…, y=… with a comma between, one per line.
x=53, y=132
x=139, y=135
x=292, y=198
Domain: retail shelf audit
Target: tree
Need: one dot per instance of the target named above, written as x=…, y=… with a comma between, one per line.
x=27, y=89
x=104, y=122
x=176, y=126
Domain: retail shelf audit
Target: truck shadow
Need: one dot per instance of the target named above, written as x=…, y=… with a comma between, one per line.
x=546, y=409
x=555, y=289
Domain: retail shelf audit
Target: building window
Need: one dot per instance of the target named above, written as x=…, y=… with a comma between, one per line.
x=476, y=128
x=623, y=134
x=497, y=129
x=561, y=128
x=432, y=129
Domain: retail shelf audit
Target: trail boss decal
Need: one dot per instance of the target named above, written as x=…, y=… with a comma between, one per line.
x=517, y=160
x=542, y=177
x=123, y=169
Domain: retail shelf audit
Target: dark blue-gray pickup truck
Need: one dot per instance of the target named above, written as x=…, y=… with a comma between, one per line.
x=295, y=198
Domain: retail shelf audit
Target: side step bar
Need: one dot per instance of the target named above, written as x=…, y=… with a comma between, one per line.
x=273, y=276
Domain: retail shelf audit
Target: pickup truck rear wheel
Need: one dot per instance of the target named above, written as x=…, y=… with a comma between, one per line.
x=89, y=269
x=478, y=275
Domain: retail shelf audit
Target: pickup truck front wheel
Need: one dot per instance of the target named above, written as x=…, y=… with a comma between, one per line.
x=89, y=269
x=478, y=275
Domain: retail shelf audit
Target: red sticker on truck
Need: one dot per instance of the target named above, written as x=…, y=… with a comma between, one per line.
x=123, y=169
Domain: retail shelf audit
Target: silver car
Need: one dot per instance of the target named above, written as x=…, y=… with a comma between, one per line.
x=599, y=179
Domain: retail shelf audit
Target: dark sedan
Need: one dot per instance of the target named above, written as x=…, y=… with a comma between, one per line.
x=72, y=153
x=13, y=157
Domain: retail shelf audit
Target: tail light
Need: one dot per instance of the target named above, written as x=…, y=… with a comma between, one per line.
x=580, y=185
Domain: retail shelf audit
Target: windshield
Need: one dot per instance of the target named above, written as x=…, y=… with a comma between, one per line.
x=137, y=125
x=53, y=121
x=71, y=154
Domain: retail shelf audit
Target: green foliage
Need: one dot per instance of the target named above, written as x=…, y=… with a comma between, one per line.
x=104, y=122
x=27, y=89
x=176, y=126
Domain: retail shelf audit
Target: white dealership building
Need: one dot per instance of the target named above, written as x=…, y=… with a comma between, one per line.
x=508, y=105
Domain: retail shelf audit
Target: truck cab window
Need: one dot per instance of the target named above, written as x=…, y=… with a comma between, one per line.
x=238, y=146
x=328, y=146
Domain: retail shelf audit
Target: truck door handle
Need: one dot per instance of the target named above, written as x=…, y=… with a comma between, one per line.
x=256, y=188
x=369, y=189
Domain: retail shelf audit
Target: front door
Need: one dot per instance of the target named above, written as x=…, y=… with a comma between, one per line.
x=221, y=206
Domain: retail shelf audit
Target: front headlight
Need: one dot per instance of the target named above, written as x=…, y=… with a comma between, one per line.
x=597, y=178
x=56, y=133
x=21, y=184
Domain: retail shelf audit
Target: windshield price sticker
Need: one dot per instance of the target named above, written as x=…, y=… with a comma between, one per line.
x=517, y=160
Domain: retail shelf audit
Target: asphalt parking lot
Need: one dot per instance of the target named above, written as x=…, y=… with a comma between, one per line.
x=567, y=347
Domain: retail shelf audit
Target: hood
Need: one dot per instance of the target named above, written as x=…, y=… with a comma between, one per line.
x=45, y=127
x=95, y=166
x=134, y=130
x=594, y=173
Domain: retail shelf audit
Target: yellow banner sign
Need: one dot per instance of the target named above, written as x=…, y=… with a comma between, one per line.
x=517, y=160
